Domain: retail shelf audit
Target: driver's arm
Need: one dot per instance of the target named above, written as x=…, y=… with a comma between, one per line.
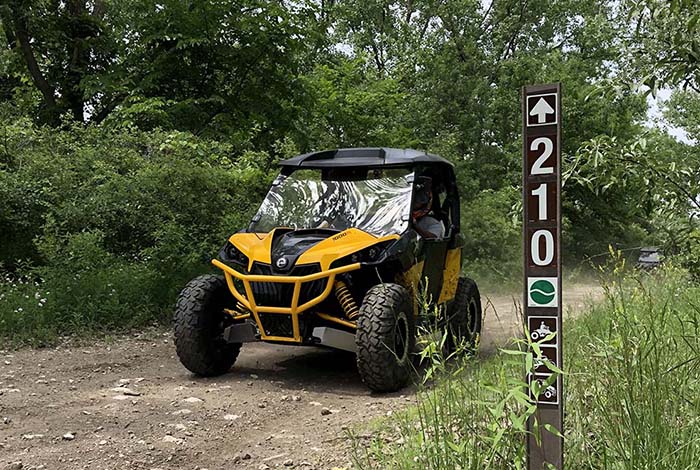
x=424, y=233
x=424, y=229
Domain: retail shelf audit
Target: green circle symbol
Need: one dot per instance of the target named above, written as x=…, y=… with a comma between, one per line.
x=542, y=292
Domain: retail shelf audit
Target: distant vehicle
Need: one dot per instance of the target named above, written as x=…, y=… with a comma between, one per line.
x=540, y=333
x=650, y=258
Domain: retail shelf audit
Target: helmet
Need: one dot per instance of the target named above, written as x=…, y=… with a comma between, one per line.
x=423, y=196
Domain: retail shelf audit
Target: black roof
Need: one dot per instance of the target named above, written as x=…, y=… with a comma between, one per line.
x=371, y=156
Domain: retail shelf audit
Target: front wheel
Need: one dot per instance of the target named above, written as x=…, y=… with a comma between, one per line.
x=385, y=338
x=464, y=317
x=200, y=321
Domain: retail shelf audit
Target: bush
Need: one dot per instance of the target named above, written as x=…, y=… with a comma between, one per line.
x=493, y=248
x=108, y=225
x=88, y=288
x=690, y=258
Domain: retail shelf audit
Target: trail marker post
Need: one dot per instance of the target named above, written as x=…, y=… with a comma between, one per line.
x=541, y=106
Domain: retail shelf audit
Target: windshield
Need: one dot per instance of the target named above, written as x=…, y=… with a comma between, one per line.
x=377, y=201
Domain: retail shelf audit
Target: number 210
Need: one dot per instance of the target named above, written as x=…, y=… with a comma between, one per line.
x=539, y=168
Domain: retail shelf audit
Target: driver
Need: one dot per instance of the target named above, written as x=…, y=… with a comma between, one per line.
x=426, y=225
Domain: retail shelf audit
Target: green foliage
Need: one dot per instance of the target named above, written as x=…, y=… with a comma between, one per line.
x=170, y=64
x=631, y=378
x=690, y=255
x=644, y=191
x=440, y=431
x=459, y=67
x=493, y=238
x=636, y=404
x=90, y=288
x=113, y=223
x=664, y=46
x=186, y=99
x=683, y=110
x=354, y=107
x=471, y=420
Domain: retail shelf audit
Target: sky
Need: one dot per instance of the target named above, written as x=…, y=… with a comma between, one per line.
x=655, y=117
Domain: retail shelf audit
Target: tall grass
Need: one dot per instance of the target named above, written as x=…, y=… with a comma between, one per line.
x=457, y=401
x=632, y=381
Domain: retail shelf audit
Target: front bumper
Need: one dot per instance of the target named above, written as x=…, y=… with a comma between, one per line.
x=247, y=299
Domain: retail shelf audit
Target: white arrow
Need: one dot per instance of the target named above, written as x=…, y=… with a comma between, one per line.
x=541, y=109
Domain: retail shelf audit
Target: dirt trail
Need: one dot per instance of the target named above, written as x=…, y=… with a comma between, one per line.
x=129, y=404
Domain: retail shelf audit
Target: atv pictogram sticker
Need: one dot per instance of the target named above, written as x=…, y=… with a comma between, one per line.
x=547, y=358
x=548, y=394
x=540, y=327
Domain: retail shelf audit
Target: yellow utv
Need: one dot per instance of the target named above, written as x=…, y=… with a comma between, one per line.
x=344, y=252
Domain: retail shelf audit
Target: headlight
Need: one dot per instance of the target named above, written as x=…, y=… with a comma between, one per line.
x=367, y=255
x=233, y=255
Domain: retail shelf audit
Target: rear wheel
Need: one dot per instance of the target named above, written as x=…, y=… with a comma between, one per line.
x=385, y=338
x=200, y=321
x=464, y=312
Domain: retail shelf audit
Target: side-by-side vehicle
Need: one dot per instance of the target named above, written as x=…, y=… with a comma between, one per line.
x=339, y=255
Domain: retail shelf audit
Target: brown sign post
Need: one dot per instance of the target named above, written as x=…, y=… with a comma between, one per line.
x=542, y=258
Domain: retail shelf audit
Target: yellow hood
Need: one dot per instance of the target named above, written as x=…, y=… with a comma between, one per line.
x=258, y=246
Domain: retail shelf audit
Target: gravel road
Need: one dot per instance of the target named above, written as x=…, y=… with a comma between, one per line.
x=127, y=403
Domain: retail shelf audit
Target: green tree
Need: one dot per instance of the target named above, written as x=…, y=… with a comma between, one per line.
x=663, y=43
x=58, y=44
x=213, y=68
x=642, y=191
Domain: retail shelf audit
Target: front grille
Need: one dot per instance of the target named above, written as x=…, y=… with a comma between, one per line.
x=279, y=294
x=276, y=324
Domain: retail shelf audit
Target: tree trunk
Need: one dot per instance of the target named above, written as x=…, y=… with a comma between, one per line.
x=52, y=111
x=75, y=49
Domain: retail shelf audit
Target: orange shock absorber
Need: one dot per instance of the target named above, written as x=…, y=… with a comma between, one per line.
x=346, y=301
x=238, y=311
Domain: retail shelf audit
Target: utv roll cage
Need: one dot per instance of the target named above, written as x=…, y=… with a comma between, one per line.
x=423, y=163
